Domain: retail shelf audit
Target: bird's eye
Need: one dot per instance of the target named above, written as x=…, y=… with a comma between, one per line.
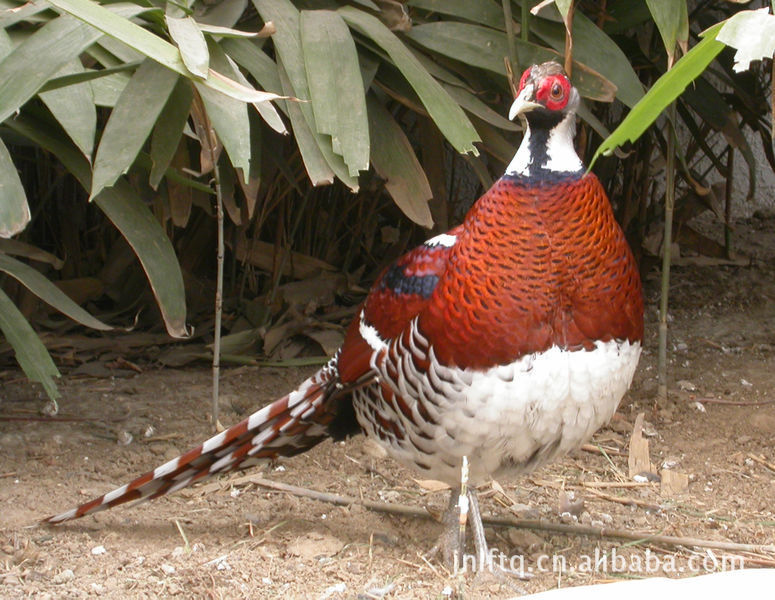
x=557, y=92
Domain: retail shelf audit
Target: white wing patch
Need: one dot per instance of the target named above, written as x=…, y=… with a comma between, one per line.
x=444, y=239
x=371, y=335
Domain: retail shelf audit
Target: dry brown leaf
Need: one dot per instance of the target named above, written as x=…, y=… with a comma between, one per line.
x=329, y=339
x=431, y=485
x=264, y=256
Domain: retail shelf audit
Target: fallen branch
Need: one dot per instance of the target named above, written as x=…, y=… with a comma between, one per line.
x=534, y=524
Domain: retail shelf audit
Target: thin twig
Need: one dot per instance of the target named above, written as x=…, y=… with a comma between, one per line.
x=183, y=535
x=616, y=484
x=599, y=450
x=534, y=524
x=762, y=462
x=734, y=402
x=627, y=501
x=667, y=241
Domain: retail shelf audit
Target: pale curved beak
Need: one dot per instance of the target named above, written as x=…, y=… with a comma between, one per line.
x=522, y=103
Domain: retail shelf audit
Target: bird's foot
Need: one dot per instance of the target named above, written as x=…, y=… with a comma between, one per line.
x=487, y=565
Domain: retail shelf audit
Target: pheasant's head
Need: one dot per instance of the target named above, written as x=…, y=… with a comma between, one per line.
x=547, y=102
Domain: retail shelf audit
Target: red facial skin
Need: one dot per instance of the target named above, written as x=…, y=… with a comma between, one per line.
x=553, y=91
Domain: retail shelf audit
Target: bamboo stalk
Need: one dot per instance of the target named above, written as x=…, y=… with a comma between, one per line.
x=666, y=255
x=728, y=202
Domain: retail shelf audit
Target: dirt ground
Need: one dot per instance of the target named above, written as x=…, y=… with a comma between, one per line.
x=236, y=540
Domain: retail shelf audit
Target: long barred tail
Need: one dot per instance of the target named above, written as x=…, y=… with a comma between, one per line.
x=289, y=426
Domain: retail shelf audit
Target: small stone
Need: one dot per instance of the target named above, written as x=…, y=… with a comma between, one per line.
x=699, y=406
x=167, y=569
x=570, y=504
x=98, y=550
x=97, y=588
x=646, y=476
x=389, y=495
x=64, y=577
x=671, y=462
x=524, y=511
x=124, y=438
x=338, y=588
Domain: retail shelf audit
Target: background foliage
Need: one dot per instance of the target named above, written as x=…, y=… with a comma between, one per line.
x=124, y=122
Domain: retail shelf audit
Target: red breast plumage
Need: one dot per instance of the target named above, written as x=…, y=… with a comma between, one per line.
x=508, y=340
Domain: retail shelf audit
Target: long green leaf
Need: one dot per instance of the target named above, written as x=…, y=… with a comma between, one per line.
x=131, y=122
x=265, y=109
x=168, y=130
x=485, y=48
x=395, y=161
x=14, y=210
x=73, y=106
x=192, y=44
x=225, y=13
x=30, y=352
x=666, y=89
x=251, y=58
x=44, y=289
x=672, y=21
x=445, y=112
x=152, y=46
x=482, y=12
x=131, y=217
x=336, y=86
x=475, y=106
x=229, y=117
x=288, y=47
x=152, y=246
x=87, y=76
x=37, y=59
x=318, y=169
x=107, y=90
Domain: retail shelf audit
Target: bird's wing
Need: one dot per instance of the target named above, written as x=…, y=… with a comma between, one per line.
x=400, y=293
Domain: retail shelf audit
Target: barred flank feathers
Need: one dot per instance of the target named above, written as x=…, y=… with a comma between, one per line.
x=288, y=426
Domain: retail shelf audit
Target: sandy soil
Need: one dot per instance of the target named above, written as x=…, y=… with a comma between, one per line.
x=236, y=540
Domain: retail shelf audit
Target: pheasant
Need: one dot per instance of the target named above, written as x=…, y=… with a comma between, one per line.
x=502, y=344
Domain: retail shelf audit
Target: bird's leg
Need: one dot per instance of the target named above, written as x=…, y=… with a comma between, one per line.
x=452, y=542
x=483, y=556
x=463, y=505
x=449, y=544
